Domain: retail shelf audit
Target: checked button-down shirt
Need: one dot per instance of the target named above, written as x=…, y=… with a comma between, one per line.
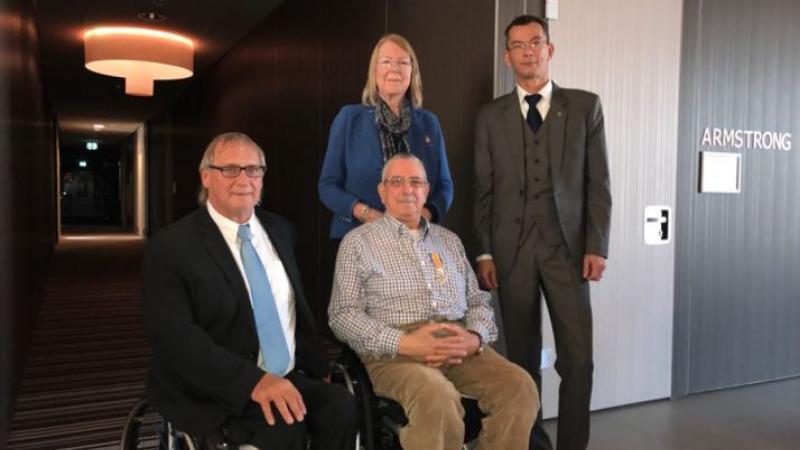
x=386, y=278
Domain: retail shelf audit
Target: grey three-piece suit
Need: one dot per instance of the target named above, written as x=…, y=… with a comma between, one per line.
x=542, y=203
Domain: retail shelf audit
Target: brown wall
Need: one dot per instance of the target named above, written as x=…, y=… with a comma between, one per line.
x=27, y=216
x=285, y=82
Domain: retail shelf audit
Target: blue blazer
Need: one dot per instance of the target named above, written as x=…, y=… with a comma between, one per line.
x=353, y=162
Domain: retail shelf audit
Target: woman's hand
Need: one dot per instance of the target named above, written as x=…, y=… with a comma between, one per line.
x=427, y=214
x=365, y=214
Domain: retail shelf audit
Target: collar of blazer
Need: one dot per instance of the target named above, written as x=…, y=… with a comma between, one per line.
x=514, y=128
x=220, y=252
x=215, y=244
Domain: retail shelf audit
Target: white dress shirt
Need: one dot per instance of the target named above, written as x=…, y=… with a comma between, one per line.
x=278, y=279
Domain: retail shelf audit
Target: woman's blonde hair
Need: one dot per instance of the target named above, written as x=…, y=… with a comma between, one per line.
x=370, y=96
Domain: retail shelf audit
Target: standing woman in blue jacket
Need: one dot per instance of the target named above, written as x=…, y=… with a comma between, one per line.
x=389, y=120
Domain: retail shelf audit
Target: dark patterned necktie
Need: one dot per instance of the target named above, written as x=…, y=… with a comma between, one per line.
x=533, y=118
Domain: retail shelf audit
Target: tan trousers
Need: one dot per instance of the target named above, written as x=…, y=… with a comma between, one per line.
x=430, y=397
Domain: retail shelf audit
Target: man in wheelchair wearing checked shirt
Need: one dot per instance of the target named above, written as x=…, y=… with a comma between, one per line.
x=406, y=300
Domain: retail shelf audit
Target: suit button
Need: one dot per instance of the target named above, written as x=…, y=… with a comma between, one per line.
x=536, y=180
x=536, y=161
x=517, y=220
x=536, y=142
x=536, y=197
x=521, y=192
x=253, y=355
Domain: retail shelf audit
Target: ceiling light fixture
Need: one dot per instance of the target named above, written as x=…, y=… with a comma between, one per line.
x=140, y=55
x=99, y=127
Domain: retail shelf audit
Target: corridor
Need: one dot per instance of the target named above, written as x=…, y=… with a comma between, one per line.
x=88, y=359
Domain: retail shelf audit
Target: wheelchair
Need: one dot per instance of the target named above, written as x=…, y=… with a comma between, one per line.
x=146, y=429
x=381, y=418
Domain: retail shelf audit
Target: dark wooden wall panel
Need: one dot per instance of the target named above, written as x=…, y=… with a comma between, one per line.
x=454, y=43
x=285, y=82
x=27, y=194
x=159, y=182
x=737, y=292
x=349, y=31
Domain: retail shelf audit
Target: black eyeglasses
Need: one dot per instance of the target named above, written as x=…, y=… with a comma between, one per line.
x=234, y=171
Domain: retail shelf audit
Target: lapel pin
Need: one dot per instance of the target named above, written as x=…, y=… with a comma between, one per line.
x=427, y=139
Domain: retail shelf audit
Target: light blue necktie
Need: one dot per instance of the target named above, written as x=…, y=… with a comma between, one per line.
x=268, y=323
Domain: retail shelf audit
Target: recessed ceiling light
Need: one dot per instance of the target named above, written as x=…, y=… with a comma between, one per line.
x=151, y=16
x=98, y=127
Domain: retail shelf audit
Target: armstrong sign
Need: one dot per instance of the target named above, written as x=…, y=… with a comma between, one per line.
x=746, y=139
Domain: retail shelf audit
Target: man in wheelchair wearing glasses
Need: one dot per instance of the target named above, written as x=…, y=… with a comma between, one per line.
x=235, y=351
x=406, y=300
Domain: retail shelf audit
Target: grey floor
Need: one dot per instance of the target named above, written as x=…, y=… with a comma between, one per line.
x=759, y=417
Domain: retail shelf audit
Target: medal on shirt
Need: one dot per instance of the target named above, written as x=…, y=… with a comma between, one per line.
x=438, y=267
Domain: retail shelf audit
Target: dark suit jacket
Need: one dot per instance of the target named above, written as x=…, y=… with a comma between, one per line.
x=579, y=170
x=200, y=323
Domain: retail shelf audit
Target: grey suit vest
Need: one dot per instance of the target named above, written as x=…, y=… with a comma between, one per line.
x=540, y=217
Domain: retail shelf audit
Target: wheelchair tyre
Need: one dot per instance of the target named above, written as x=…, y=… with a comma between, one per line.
x=144, y=429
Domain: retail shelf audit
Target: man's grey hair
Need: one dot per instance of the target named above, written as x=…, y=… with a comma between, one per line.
x=223, y=140
x=407, y=156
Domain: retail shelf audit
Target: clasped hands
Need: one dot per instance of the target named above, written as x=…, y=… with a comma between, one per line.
x=439, y=344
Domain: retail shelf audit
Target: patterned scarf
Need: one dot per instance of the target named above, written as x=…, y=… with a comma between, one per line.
x=393, y=129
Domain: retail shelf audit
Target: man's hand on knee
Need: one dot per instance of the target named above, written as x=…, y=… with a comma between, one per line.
x=434, y=344
x=272, y=389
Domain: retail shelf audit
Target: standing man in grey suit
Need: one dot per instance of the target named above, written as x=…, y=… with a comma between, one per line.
x=542, y=215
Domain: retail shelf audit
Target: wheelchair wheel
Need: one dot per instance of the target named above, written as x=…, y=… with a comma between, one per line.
x=366, y=438
x=144, y=429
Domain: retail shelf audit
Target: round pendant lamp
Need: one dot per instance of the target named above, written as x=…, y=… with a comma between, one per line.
x=140, y=55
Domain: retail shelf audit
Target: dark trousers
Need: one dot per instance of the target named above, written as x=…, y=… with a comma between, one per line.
x=331, y=420
x=550, y=270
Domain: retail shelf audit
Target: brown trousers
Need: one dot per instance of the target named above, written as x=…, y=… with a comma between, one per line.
x=431, y=399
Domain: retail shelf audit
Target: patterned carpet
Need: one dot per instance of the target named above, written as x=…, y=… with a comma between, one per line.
x=88, y=359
